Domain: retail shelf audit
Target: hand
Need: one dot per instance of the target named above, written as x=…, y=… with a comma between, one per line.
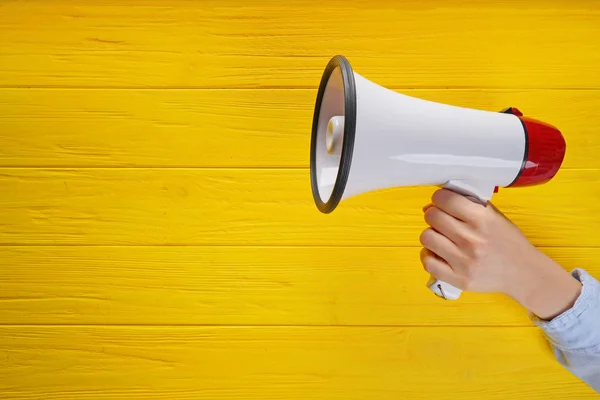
x=476, y=248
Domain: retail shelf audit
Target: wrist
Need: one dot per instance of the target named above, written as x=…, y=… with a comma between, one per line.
x=544, y=287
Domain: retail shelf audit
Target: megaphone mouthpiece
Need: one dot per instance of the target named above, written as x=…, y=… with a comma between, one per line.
x=334, y=135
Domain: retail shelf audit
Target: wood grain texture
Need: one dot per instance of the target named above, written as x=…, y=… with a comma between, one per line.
x=257, y=207
x=158, y=239
x=437, y=43
x=229, y=128
x=242, y=286
x=281, y=363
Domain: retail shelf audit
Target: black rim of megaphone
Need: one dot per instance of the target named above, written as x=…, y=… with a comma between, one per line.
x=349, y=131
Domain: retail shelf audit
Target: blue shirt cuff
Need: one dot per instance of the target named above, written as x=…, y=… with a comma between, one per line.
x=577, y=329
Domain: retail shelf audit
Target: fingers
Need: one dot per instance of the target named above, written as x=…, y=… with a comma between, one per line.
x=446, y=224
x=440, y=245
x=439, y=268
x=457, y=205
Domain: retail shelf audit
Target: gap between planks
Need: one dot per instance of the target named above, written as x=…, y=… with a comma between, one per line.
x=284, y=88
x=321, y=326
x=215, y=168
x=264, y=246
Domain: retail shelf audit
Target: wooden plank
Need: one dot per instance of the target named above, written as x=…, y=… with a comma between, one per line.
x=256, y=207
x=171, y=285
x=229, y=128
x=281, y=363
x=437, y=43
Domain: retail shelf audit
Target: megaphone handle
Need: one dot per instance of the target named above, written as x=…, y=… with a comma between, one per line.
x=480, y=192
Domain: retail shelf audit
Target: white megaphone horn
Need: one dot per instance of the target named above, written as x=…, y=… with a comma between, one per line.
x=366, y=137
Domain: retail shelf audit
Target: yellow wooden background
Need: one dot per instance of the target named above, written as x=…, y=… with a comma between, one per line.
x=158, y=238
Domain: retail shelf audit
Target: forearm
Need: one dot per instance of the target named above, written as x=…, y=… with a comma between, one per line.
x=575, y=333
x=544, y=287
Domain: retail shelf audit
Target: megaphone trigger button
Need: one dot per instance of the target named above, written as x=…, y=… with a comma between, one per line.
x=496, y=189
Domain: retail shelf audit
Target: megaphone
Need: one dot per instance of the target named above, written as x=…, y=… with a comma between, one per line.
x=366, y=137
